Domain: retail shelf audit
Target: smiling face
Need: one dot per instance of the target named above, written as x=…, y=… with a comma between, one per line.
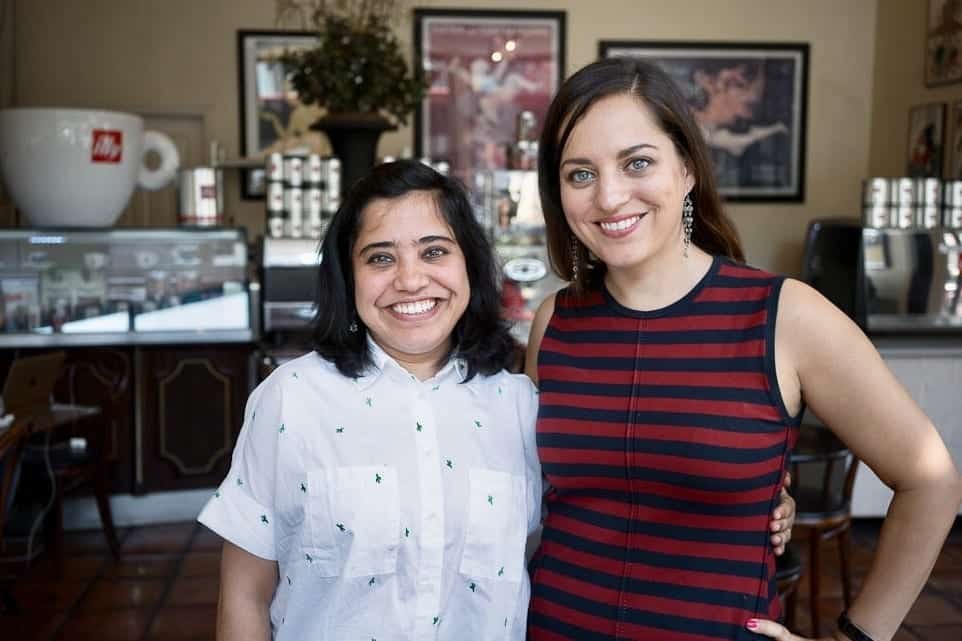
x=623, y=184
x=410, y=281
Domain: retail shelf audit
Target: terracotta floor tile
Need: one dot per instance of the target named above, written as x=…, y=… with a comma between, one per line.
x=206, y=541
x=137, y=568
x=107, y=625
x=123, y=593
x=201, y=564
x=931, y=609
x=42, y=594
x=169, y=539
x=201, y=590
x=36, y=625
x=194, y=623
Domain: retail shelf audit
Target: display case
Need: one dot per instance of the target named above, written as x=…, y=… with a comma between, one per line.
x=124, y=287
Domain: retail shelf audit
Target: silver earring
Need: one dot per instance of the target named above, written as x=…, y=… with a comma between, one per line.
x=352, y=327
x=687, y=221
x=574, y=258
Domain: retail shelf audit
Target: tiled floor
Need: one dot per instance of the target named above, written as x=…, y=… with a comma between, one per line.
x=165, y=589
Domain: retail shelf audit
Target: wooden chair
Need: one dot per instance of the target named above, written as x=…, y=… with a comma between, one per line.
x=824, y=509
x=788, y=573
x=89, y=383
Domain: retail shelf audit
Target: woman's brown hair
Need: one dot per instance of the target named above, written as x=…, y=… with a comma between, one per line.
x=713, y=230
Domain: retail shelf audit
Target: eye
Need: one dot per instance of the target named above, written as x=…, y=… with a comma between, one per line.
x=580, y=176
x=379, y=259
x=435, y=252
x=638, y=164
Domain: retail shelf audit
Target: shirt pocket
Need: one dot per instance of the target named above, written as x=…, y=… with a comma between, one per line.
x=495, y=532
x=367, y=519
x=320, y=544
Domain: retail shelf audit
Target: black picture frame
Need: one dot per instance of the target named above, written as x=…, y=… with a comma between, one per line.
x=469, y=112
x=267, y=120
x=926, y=140
x=943, y=44
x=756, y=132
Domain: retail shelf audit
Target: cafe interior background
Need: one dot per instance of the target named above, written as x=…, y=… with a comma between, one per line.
x=175, y=63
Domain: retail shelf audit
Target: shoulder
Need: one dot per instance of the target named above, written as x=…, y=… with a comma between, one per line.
x=506, y=384
x=309, y=371
x=730, y=269
x=807, y=321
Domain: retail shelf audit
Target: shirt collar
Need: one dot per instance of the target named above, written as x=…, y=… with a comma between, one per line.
x=381, y=363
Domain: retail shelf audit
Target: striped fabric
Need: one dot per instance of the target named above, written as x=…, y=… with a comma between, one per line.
x=664, y=439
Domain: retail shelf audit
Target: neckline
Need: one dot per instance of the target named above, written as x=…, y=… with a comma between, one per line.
x=679, y=304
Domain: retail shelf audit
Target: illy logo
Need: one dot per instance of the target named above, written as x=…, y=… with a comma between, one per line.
x=107, y=146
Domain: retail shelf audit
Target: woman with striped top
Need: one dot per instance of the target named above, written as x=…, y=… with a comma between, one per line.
x=672, y=382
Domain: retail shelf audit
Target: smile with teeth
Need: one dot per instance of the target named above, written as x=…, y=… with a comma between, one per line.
x=415, y=307
x=620, y=225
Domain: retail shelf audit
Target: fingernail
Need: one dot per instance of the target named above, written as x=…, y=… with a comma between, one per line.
x=752, y=624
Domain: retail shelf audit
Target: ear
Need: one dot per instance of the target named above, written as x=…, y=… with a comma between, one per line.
x=689, y=177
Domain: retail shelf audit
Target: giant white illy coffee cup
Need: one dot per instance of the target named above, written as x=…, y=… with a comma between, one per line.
x=79, y=167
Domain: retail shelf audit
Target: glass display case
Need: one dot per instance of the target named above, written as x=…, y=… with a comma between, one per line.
x=124, y=287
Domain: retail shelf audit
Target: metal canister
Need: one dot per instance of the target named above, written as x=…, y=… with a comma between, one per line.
x=294, y=170
x=331, y=174
x=903, y=216
x=294, y=225
x=313, y=211
x=200, y=196
x=952, y=193
x=275, y=224
x=313, y=170
x=275, y=196
x=929, y=192
x=876, y=192
x=877, y=216
x=927, y=217
x=902, y=191
x=293, y=199
x=274, y=167
x=952, y=217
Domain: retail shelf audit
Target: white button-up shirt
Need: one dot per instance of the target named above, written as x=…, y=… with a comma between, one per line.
x=396, y=509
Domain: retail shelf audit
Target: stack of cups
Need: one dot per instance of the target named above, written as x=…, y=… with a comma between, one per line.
x=274, y=175
x=952, y=204
x=303, y=192
x=330, y=186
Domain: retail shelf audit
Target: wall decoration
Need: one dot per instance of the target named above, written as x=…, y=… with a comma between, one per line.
x=926, y=127
x=953, y=170
x=943, y=43
x=750, y=101
x=484, y=69
x=271, y=116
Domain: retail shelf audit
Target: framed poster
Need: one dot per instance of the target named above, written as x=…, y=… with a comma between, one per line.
x=943, y=43
x=750, y=101
x=485, y=69
x=926, y=135
x=271, y=116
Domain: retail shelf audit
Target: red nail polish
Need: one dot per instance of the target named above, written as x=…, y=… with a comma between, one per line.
x=752, y=624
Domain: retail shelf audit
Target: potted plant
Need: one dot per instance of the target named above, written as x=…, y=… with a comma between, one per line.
x=357, y=73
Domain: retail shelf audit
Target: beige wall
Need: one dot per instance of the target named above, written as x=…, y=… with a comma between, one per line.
x=900, y=83
x=179, y=57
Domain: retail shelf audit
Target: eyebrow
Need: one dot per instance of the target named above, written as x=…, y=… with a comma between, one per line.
x=621, y=154
x=387, y=244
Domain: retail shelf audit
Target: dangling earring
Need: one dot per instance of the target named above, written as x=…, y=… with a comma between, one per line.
x=574, y=258
x=352, y=327
x=687, y=221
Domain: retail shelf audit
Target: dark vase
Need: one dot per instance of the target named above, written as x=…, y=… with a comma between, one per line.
x=353, y=138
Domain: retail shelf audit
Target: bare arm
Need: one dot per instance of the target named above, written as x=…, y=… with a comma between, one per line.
x=538, y=327
x=247, y=585
x=825, y=359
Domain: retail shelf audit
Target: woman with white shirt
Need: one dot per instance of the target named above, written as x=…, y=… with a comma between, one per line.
x=383, y=486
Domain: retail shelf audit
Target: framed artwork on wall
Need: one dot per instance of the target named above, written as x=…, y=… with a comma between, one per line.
x=750, y=101
x=953, y=170
x=484, y=68
x=926, y=135
x=943, y=43
x=271, y=116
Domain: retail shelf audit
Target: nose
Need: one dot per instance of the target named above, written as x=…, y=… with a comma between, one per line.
x=410, y=275
x=613, y=192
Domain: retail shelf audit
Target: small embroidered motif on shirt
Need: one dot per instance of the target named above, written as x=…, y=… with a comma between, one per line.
x=490, y=500
x=308, y=557
x=407, y=532
x=339, y=430
x=435, y=388
x=289, y=582
x=449, y=463
x=372, y=581
x=477, y=424
x=419, y=427
x=264, y=518
x=281, y=428
x=473, y=586
x=340, y=526
x=368, y=401
x=501, y=571
x=436, y=620
x=217, y=494
x=239, y=482
x=303, y=488
x=377, y=477
x=294, y=374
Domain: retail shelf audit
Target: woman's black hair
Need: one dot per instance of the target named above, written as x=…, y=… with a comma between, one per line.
x=480, y=337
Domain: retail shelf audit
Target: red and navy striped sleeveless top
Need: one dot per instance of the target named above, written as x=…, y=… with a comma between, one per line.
x=664, y=439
